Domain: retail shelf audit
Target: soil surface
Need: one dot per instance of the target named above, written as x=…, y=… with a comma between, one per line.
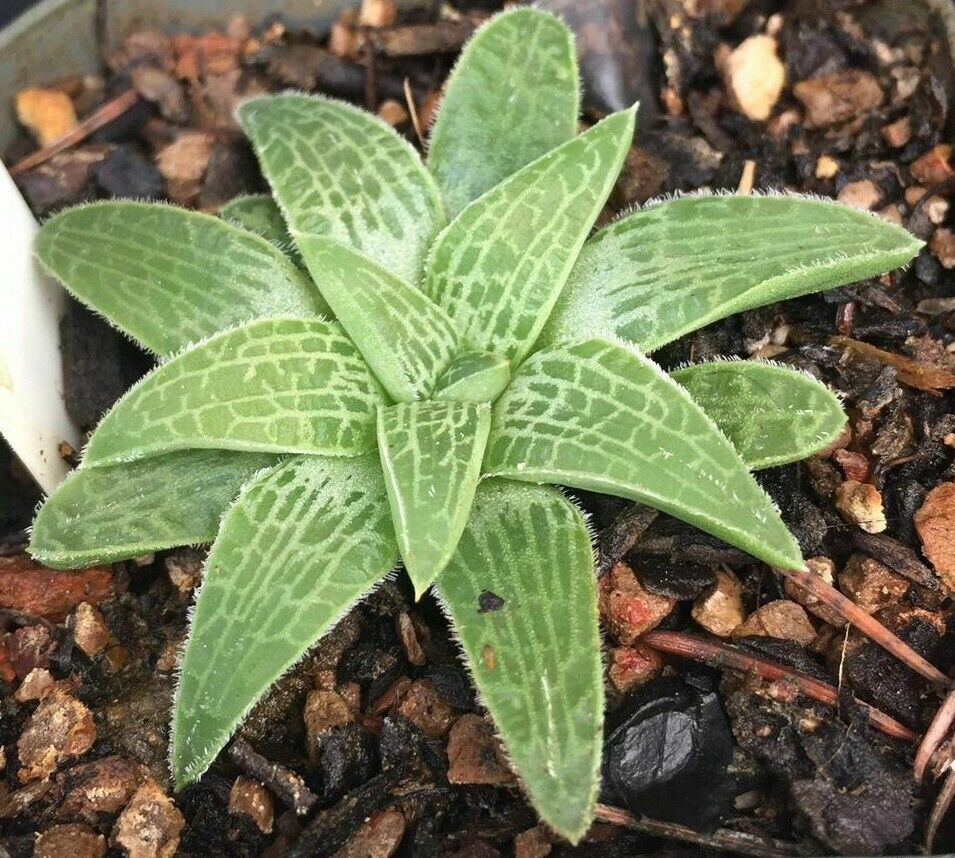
x=375, y=744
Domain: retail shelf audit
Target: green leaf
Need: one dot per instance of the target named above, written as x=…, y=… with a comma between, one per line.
x=500, y=265
x=405, y=338
x=673, y=267
x=474, y=377
x=600, y=416
x=431, y=455
x=338, y=171
x=170, y=277
x=100, y=515
x=513, y=96
x=259, y=213
x=772, y=414
x=278, y=385
x=301, y=544
x=536, y=659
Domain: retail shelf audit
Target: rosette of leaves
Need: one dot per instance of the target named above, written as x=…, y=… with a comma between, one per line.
x=394, y=359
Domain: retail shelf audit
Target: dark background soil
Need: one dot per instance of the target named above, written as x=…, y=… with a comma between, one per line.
x=10, y=9
x=380, y=720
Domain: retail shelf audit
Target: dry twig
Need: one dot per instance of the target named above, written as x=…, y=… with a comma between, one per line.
x=287, y=785
x=935, y=735
x=111, y=110
x=413, y=111
x=723, y=656
x=723, y=839
x=939, y=809
x=868, y=625
x=917, y=374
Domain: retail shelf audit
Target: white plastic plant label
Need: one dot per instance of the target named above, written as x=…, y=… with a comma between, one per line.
x=33, y=418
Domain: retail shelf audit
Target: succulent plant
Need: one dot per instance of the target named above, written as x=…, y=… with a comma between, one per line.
x=391, y=358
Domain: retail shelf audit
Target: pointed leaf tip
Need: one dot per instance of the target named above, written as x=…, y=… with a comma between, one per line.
x=600, y=416
x=770, y=413
x=431, y=456
x=277, y=385
x=284, y=568
x=101, y=515
x=672, y=267
x=500, y=265
x=146, y=268
x=513, y=95
x=338, y=171
x=406, y=338
x=536, y=658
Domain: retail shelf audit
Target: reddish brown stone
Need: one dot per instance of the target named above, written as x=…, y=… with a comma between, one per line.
x=934, y=166
x=753, y=75
x=423, y=706
x=720, y=609
x=780, y=619
x=184, y=568
x=861, y=504
x=533, y=843
x=248, y=797
x=34, y=685
x=102, y=786
x=377, y=13
x=90, y=631
x=627, y=609
x=837, y=98
x=862, y=194
x=48, y=114
x=935, y=523
x=60, y=727
x=898, y=133
x=378, y=836
x=324, y=710
x=409, y=640
x=52, y=594
x=73, y=840
x=943, y=246
x=208, y=54
x=855, y=466
x=633, y=666
x=7, y=671
x=183, y=164
x=393, y=112
x=150, y=825
x=474, y=755
x=870, y=584
x=28, y=648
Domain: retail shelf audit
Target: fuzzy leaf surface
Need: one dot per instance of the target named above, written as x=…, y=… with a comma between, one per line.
x=474, y=377
x=676, y=266
x=512, y=97
x=431, y=456
x=338, y=171
x=499, y=266
x=535, y=660
x=301, y=544
x=170, y=277
x=278, y=385
x=406, y=339
x=101, y=515
x=771, y=414
x=260, y=214
x=600, y=416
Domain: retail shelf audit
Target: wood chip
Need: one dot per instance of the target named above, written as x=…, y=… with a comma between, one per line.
x=922, y=376
x=935, y=523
